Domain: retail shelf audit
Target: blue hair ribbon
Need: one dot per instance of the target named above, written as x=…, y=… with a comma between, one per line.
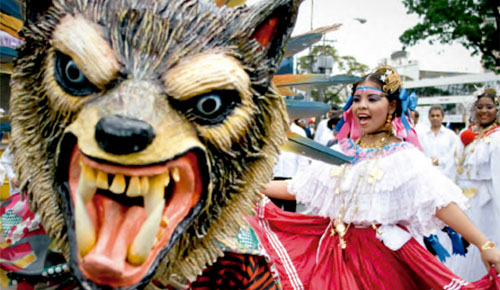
x=456, y=242
x=436, y=246
x=408, y=103
x=345, y=108
x=348, y=103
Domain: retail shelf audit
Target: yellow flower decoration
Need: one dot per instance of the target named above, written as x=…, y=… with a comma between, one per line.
x=390, y=78
x=490, y=91
x=392, y=82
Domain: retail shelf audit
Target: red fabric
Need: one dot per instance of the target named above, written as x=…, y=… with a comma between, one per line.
x=15, y=252
x=366, y=263
x=9, y=252
x=299, y=233
x=23, y=285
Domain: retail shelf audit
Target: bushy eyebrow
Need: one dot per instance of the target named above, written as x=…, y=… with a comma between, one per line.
x=87, y=47
x=204, y=73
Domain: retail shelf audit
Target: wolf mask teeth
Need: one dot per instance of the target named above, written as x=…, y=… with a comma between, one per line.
x=142, y=130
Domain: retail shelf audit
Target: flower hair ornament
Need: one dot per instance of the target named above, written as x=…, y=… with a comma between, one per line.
x=402, y=127
x=390, y=78
x=487, y=91
x=492, y=92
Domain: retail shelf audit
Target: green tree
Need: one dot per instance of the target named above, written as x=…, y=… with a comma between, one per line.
x=473, y=23
x=344, y=65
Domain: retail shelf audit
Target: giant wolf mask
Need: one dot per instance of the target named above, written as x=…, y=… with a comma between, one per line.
x=143, y=129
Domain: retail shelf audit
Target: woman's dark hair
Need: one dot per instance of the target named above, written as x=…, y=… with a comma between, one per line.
x=489, y=93
x=377, y=77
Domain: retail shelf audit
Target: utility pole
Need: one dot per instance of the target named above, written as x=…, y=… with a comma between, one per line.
x=310, y=57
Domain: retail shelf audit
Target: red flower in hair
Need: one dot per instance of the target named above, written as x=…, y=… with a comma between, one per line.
x=467, y=137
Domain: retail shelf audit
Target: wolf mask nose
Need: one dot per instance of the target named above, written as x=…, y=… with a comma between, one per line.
x=122, y=135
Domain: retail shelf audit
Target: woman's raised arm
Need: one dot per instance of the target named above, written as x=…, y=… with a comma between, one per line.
x=278, y=189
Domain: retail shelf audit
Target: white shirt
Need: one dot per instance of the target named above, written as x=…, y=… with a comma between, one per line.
x=442, y=146
x=323, y=133
x=6, y=161
x=289, y=163
x=421, y=129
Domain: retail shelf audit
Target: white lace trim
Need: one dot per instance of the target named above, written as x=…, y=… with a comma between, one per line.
x=408, y=193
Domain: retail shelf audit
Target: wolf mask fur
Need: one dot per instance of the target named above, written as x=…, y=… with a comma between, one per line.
x=142, y=130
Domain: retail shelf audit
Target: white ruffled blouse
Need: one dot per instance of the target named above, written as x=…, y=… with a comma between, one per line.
x=478, y=168
x=395, y=185
x=481, y=159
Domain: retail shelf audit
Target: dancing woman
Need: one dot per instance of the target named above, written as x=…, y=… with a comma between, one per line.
x=368, y=211
x=478, y=174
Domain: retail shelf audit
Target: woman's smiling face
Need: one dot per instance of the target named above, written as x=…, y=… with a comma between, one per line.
x=486, y=111
x=370, y=107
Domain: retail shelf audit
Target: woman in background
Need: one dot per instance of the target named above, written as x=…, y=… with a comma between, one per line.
x=478, y=174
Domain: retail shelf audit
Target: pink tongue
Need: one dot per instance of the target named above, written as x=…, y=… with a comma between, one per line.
x=117, y=227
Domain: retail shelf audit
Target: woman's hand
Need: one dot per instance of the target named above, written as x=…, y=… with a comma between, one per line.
x=491, y=257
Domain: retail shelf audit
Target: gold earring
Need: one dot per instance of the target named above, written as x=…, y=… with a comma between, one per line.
x=388, y=124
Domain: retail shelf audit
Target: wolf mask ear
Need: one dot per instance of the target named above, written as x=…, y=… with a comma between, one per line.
x=32, y=10
x=270, y=24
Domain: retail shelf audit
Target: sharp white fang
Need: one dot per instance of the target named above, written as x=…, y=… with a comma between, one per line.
x=145, y=239
x=156, y=193
x=118, y=184
x=144, y=185
x=102, y=180
x=134, y=186
x=175, y=174
x=86, y=184
x=85, y=232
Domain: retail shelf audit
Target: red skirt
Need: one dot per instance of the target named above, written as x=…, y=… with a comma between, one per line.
x=307, y=256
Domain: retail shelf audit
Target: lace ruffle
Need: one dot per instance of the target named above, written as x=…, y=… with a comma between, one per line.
x=478, y=156
x=407, y=191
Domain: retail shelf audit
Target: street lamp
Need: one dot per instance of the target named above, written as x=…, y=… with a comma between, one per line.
x=360, y=20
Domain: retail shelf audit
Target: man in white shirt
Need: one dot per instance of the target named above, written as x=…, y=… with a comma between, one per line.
x=289, y=163
x=439, y=142
x=287, y=166
x=323, y=133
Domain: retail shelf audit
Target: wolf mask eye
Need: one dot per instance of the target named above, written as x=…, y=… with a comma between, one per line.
x=208, y=105
x=71, y=78
x=210, y=108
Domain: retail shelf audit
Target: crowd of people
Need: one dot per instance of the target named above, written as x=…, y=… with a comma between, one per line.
x=368, y=219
